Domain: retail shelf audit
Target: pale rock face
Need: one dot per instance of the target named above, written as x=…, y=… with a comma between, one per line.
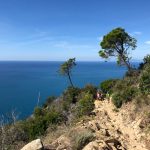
x=34, y=145
x=91, y=146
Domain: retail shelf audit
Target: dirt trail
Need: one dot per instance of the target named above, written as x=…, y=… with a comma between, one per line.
x=130, y=133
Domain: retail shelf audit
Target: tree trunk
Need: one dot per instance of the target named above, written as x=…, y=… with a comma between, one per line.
x=128, y=65
x=70, y=80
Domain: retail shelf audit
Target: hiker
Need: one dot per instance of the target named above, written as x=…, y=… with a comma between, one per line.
x=99, y=95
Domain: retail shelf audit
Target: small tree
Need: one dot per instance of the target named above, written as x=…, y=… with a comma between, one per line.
x=118, y=43
x=66, y=67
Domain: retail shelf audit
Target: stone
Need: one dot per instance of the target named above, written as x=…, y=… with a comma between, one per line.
x=91, y=146
x=34, y=145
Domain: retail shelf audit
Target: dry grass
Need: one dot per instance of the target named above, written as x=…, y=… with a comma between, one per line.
x=54, y=133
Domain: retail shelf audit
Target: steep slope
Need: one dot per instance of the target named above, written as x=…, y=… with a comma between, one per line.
x=105, y=129
x=112, y=130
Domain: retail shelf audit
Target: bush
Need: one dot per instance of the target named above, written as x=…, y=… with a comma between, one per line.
x=81, y=138
x=71, y=94
x=107, y=85
x=89, y=88
x=53, y=117
x=85, y=104
x=146, y=62
x=49, y=101
x=38, y=111
x=132, y=73
x=124, y=96
x=117, y=100
x=145, y=81
x=37, y=126
x=34, y=127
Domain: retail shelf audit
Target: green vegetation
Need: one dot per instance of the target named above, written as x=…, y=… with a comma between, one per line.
x=85, y=104
x=48, y=101
x=134, y=87
x=107, y=85
x=80, y=138
x=90, y=89
x=37, y=125
x=117, y=43
x=66, y=67
x=145, y=75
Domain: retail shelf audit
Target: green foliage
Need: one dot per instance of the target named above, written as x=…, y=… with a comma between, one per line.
x=36, y=126
x=146, y=62
x=89, y=88
x=49, y=101
x=123, y=96
x=117, y=100
x=70, y=96
x=107, y=85
x=80, y=138
x=141, y=99
x=117, y=43
x=132, y=73
x=53, y=117
x=145, y=81
x=38, y=111
x=85, y=104
x=145, y=75
x=66, y=67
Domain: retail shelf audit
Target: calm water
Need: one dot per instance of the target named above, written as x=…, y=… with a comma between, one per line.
x=20, y=82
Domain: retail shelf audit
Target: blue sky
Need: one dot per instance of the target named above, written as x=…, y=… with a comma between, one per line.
x=60, y=29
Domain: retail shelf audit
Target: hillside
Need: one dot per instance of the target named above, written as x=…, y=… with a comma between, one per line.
x=106, y=130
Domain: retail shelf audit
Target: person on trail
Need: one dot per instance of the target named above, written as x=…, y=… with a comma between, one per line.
x=99, y=95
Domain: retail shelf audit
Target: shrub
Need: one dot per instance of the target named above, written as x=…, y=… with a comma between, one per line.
x=37, y=126
x=141, y=99
x=81, y=138
x=71, y=94
x=117, y=100
x=53, y=117
x=129, y=94
x=145, y=81
x=89, y=88
x=146, y=61
x=38, y=111
x=124, y=96
x=34, y=127
x=132, y=73
x=107, y=85
x=48, y=101
x=85, y=104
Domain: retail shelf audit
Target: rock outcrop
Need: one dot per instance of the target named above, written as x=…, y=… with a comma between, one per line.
x=34, y=145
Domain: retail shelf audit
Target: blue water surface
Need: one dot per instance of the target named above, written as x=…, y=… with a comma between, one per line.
x=21, y=82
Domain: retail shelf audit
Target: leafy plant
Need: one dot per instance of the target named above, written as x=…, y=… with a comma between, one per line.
x=107, y=85
x=85, y=104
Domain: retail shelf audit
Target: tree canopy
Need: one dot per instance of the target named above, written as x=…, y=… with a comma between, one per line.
x=66, y=67
x=118, y=43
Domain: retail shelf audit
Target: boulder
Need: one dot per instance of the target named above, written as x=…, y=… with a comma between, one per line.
x=92, y=146
x=34, y=145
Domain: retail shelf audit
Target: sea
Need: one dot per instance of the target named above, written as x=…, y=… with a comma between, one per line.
x=25, y=83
